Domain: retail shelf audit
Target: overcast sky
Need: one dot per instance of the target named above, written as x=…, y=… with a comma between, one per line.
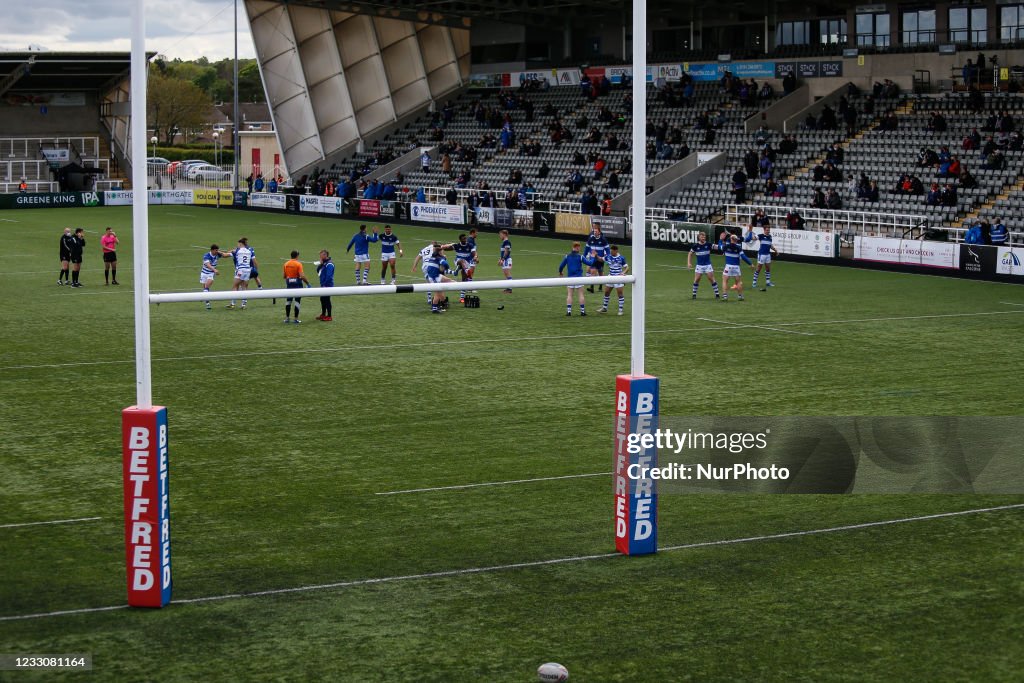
x=177, y=28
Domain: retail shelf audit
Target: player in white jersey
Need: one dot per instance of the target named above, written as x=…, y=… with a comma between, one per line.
x=617, y=265
x=209, y=269
x=421, y=260
x=243, y=256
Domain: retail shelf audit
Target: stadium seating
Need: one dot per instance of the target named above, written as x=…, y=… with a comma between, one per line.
x=21, y=158
x=881, y=155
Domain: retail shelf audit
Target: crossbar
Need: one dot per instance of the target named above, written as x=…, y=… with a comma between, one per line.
x=355, y=290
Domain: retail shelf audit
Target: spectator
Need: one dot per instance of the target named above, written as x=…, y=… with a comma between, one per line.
x=949, y=196
x=781, y=190
x=794, y=221
x=968, y=181
x=425, y=162
x=994, y=161
x=613, y=181
x=872, y=192
x=544, y=170
x=934, y=197
x=827, y=120
x=739, y=186
x=937, y=122
x=750, y=163
x=973, y=235
x=998, y=234
x=833, y=201
x=1006, y=123
x=789, y=83
x=818, y=199
x=788, y=145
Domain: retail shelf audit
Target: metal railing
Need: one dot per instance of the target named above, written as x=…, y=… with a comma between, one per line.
x=865, y=223
x=33, y=186
x=438, y=195
x=565, y=207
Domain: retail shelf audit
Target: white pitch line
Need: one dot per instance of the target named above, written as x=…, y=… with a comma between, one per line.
x=492, y=483
x=9, y=220
x=281, y=225
x=183, y=215
x=1010, y=303
x=895, y=318
x=759, y=327
x=526, y=565
x=457, y=342
x=54, y=521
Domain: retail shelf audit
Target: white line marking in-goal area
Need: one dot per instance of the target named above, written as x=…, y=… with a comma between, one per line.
x=759, y=327
x=526, y=565
x=54, y=521
x=493, y=483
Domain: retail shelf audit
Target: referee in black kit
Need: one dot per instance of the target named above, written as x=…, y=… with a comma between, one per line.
x=67, y=243
x=76, y=256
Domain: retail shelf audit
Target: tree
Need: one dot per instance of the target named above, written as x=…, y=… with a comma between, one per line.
x=250, y=85
x=175, y=104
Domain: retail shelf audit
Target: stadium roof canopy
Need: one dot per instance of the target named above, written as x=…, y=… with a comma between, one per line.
x=63, y=71
x=553, y=12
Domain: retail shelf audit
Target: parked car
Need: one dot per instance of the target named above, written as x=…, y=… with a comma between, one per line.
x=207, y=172
x=156, y=165
x=181, y=170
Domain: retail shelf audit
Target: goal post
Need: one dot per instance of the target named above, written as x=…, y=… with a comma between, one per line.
x=145, y=432
x=365, y=290
x=147, y=523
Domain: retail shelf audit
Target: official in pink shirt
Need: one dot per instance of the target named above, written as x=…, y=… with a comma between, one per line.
x=109, y=245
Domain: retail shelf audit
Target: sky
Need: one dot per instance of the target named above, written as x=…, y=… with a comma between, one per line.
x=186, y=29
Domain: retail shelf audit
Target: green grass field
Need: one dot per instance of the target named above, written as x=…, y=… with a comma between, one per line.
x=281, y=436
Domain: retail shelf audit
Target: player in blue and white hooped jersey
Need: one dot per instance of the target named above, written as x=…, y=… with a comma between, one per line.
x=361, y=241
x=388, y=244
x=434, y=267
x=209, y=269
x=702, y=249
x=617, y=265
x=243, y=257
x=733, y=250
x=765, y=251
x=597, y=249
x=421, y=260
x=505, y=257
x=465, y=261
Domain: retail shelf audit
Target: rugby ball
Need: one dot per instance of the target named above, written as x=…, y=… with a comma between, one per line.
x=552, y=673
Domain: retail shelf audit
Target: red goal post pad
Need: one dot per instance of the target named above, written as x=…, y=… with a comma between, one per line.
x=147, y=514
x=636, y=499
